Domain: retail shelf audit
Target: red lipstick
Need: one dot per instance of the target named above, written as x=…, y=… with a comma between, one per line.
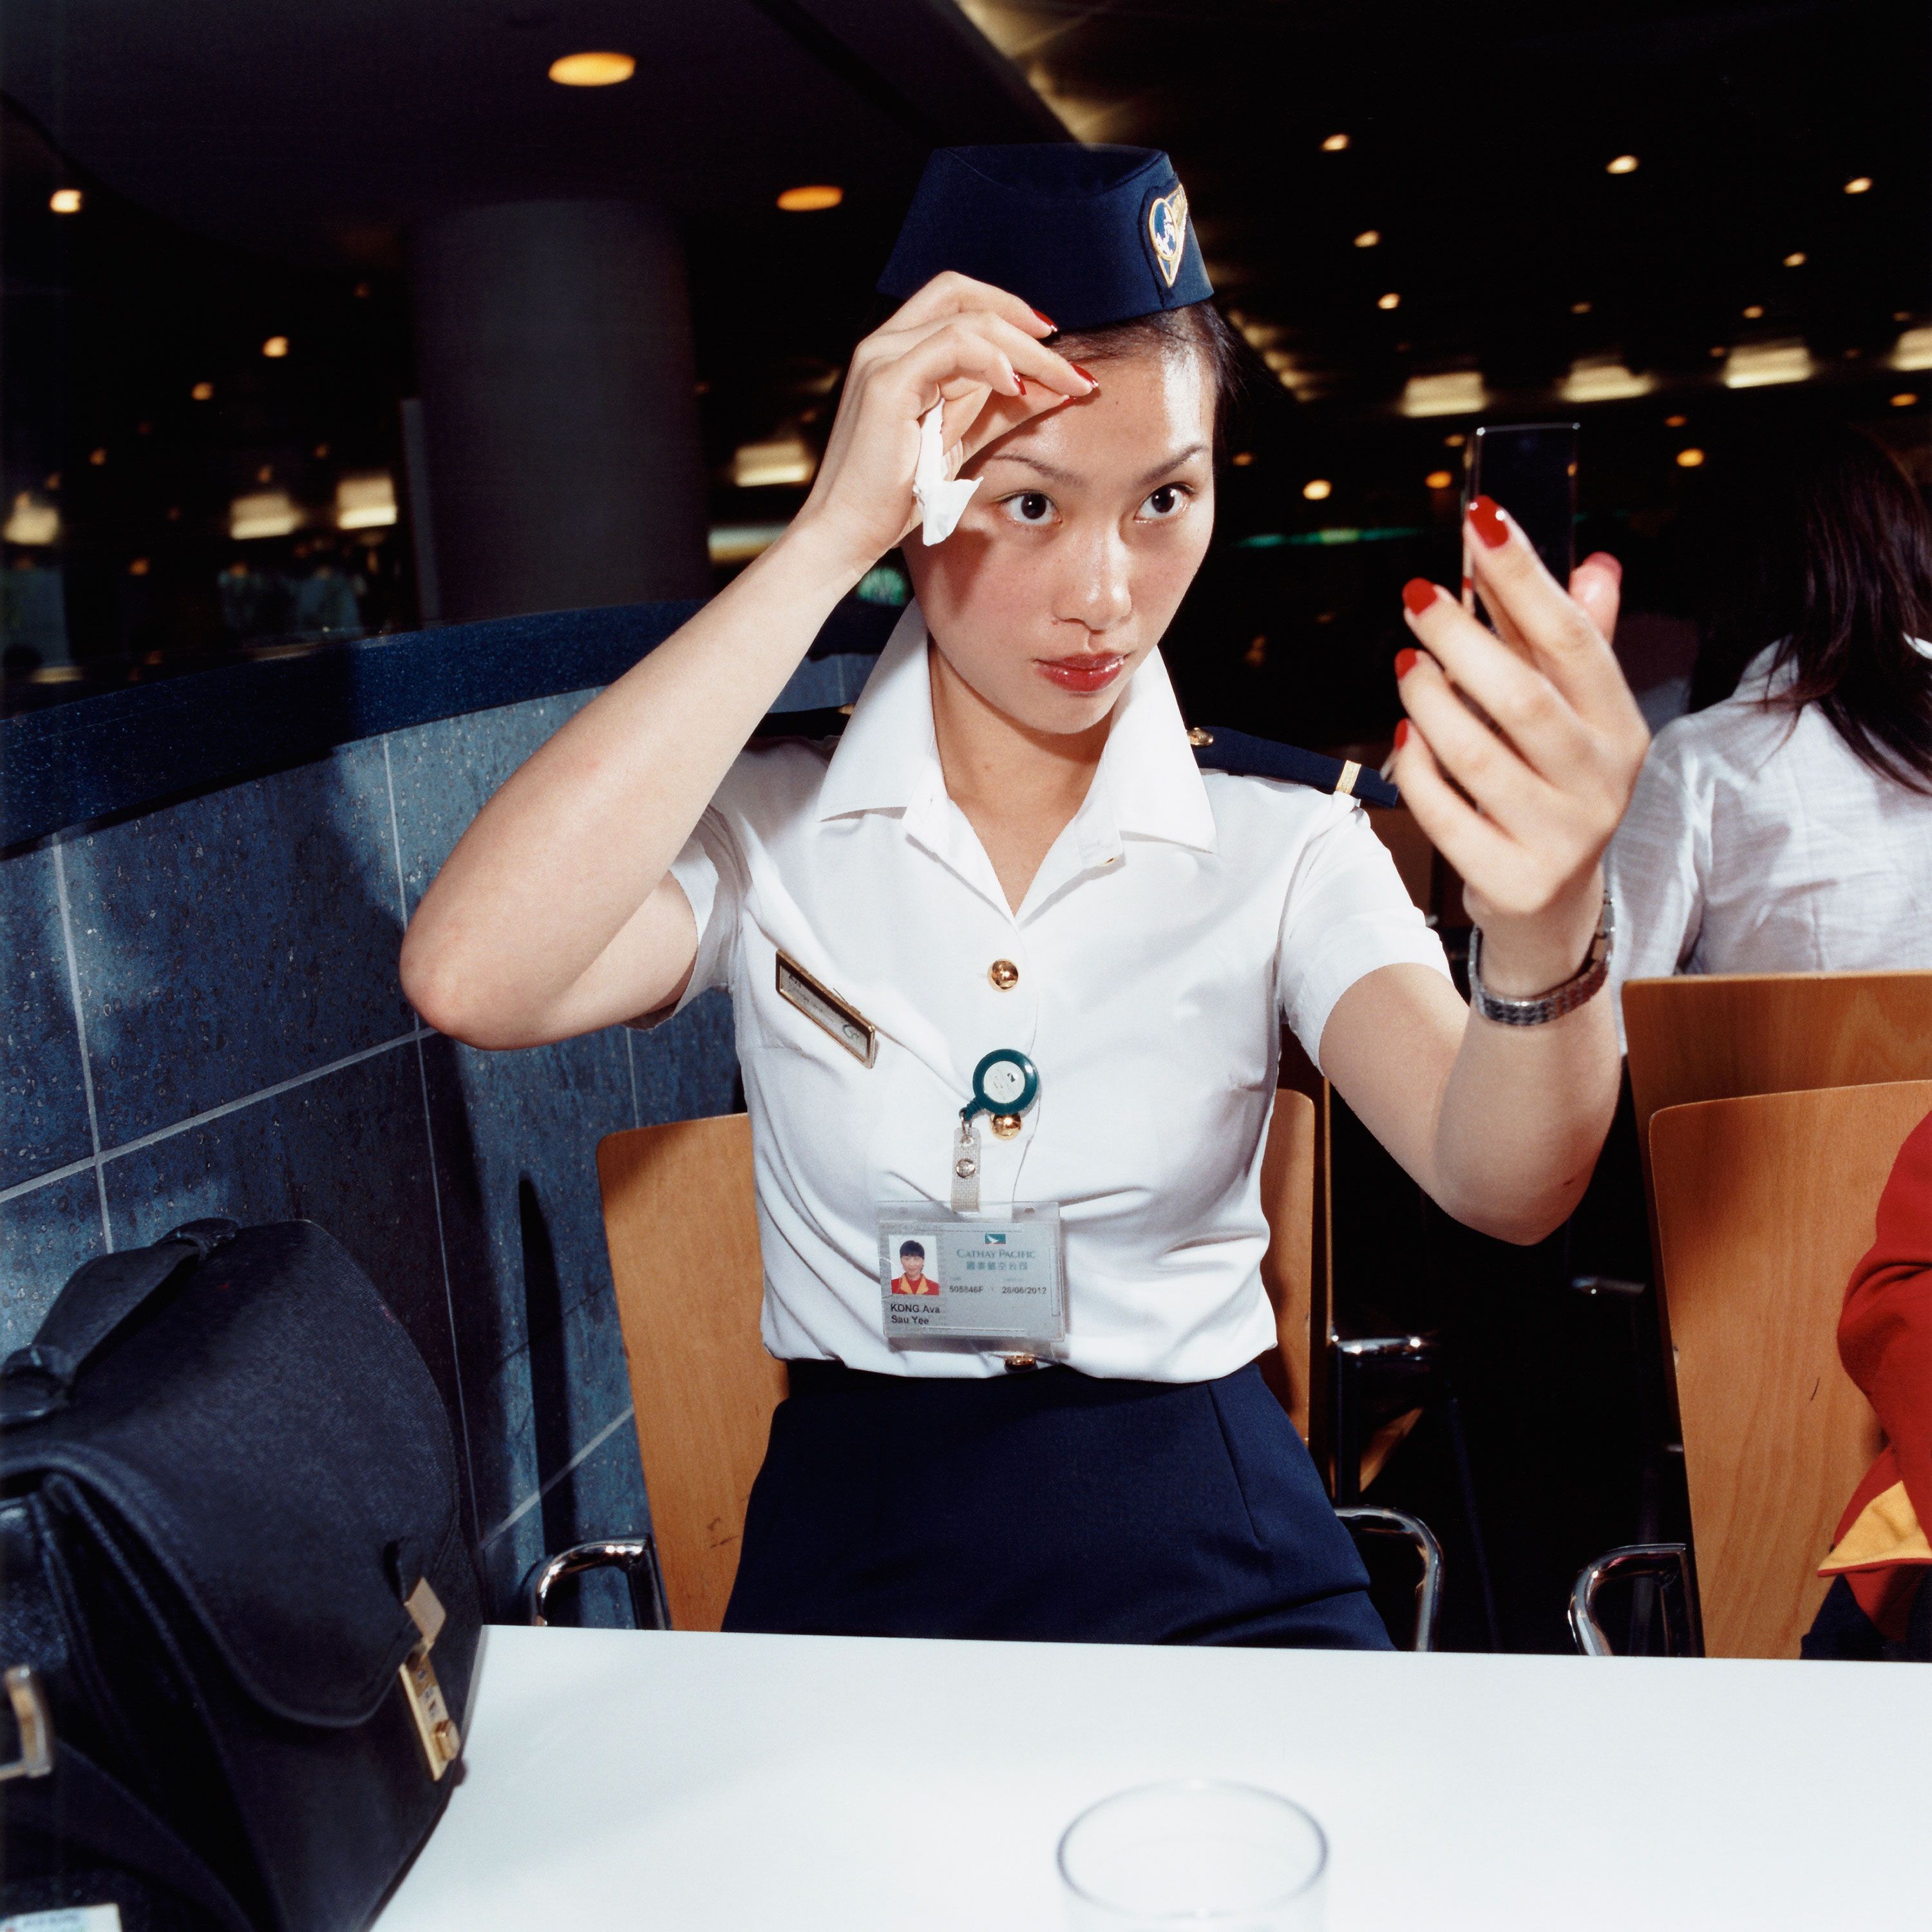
x=1090, y=671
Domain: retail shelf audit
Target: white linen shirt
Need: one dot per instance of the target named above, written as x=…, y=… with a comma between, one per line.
x=1175, y=917
x=1758, y=841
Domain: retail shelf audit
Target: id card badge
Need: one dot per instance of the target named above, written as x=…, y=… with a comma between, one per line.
x=979, y=1284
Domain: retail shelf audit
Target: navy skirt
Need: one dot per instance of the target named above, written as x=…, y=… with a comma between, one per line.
x=1046, y=1505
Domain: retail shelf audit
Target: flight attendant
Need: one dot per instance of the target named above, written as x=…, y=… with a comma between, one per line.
x=1009, y=968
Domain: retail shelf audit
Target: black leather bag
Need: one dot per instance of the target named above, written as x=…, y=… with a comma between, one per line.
x=237, y=1605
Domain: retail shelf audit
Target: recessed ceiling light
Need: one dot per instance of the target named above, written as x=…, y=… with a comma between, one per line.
x=592, y=69
x=1368, y=238
x=1316, y=488
x=97, y=457
x=1690, y=459
x=1438, y=479
x=363, y=292
x=1755, y=312
x=807, y=200
x=1624, y=164
x=64, y=201
x=1901, y=315
x=276, y=347
x=1390, y=301
x=1676, y=422
x=138, y=567
x=1454, y=442
x=202, y=392
x=1858, y=184
x=1795, y=260
x=1334, y=144
x=1720, y=350
x=1243, y=458
x=1903, y=399
x=1580, y=308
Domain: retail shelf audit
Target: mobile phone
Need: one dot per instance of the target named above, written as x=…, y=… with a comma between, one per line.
x=1530, y=469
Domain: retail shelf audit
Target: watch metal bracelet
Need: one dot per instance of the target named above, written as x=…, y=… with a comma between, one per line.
x=1582, y=986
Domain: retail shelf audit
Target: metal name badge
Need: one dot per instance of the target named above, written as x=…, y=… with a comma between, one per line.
x=846, y=1024
x=981, y=1284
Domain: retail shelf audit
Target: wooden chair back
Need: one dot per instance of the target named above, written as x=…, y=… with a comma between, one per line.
x=1764, y=1205
x=1718, y=1036
x=681, y=1220
x=680, y=1216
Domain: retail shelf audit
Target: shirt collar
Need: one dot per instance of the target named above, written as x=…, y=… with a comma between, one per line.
x=1765, y=677
x=1147, y=784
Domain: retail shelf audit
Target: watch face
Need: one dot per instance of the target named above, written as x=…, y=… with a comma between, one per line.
x=1004, y=1083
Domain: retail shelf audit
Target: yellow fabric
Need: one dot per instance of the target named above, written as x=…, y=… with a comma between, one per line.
x=1887, y=1531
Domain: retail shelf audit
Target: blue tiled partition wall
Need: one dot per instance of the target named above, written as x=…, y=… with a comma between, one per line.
x=202, y=1016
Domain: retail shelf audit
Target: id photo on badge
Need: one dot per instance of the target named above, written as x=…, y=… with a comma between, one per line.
x=915, y=1275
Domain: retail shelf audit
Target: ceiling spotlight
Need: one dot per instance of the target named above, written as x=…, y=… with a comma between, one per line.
x=1901, y=315
x=1454, y=442
x=1438, y=479
x=1390, y=301
x=808, y=200
x=1720, y=349
x=1795, y=260
x=275, y=348
x=1624, y=164
x=1580, y=308
x=1317, y=488
x=1690, y=459
x=1858, y=184
x=202, y=392
x=64, y=201
x=592, y=69
x=1334, y=144
x=1903, y=399
x=97, y=457
x=1368, y=238
x=1676, y=422
x=1243, y=458
x=1755, y=312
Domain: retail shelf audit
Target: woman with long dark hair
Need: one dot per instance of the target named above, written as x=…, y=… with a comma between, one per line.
x=1785, y=824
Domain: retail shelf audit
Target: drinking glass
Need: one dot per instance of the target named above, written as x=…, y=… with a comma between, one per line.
x=1196, y=1853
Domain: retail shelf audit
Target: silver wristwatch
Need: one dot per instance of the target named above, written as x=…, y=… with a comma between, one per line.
x=1581, y=986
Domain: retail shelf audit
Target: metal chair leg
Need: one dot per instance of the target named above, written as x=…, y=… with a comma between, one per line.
x=1413, y=1531
x=1669, y=1564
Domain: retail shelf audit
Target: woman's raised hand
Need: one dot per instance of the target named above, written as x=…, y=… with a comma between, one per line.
x=1521, y=747
x=973, y=346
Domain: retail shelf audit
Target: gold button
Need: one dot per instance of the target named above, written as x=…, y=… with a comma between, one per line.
x=1004, y=974
x=1006, y=1125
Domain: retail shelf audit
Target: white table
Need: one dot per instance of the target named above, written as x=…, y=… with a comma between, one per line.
x=647, y=1780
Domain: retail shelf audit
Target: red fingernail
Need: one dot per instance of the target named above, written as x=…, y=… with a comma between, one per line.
x=1401, y=733
x=1088, y=374
x=1047, y=319
x=1489, y=522
x=1405, y=663
x=1418, y=593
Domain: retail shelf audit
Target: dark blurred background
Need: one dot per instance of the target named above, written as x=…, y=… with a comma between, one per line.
x=323, y=321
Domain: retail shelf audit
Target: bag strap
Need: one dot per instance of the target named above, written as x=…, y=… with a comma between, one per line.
x=99, y=1296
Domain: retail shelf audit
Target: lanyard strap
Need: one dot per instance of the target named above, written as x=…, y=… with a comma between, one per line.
x=966, y=1166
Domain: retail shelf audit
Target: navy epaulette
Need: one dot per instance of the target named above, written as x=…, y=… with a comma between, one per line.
x=1216, y=748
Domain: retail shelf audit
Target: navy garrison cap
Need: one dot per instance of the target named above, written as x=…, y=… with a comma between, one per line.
x=1086, y=235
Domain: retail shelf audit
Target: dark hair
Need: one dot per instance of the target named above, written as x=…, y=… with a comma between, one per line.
x=1198, y=326
x=911, y=1248
x=1825, y=549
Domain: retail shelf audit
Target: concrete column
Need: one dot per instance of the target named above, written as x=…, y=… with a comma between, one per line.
x=554, y=362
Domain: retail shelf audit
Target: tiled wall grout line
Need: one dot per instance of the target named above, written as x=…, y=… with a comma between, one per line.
x=429, y=1143
x=100, y=1158
x=583, y=1455
x=80, y=1031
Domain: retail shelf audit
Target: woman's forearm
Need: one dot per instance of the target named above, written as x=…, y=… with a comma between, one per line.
x=1522, y=1116
x=564, y=856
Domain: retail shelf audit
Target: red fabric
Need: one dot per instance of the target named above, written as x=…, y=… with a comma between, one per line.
x=1885, y=1341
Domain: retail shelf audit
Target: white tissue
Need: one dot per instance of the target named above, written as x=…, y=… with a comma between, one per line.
x=940, y=501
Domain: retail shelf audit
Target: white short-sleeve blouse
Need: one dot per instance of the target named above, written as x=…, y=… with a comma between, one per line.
x=1178, y=917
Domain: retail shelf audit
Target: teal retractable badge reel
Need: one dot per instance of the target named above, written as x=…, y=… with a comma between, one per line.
x=953, y=1277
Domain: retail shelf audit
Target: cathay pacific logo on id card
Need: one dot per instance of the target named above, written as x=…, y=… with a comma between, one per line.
x=999, y=1238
